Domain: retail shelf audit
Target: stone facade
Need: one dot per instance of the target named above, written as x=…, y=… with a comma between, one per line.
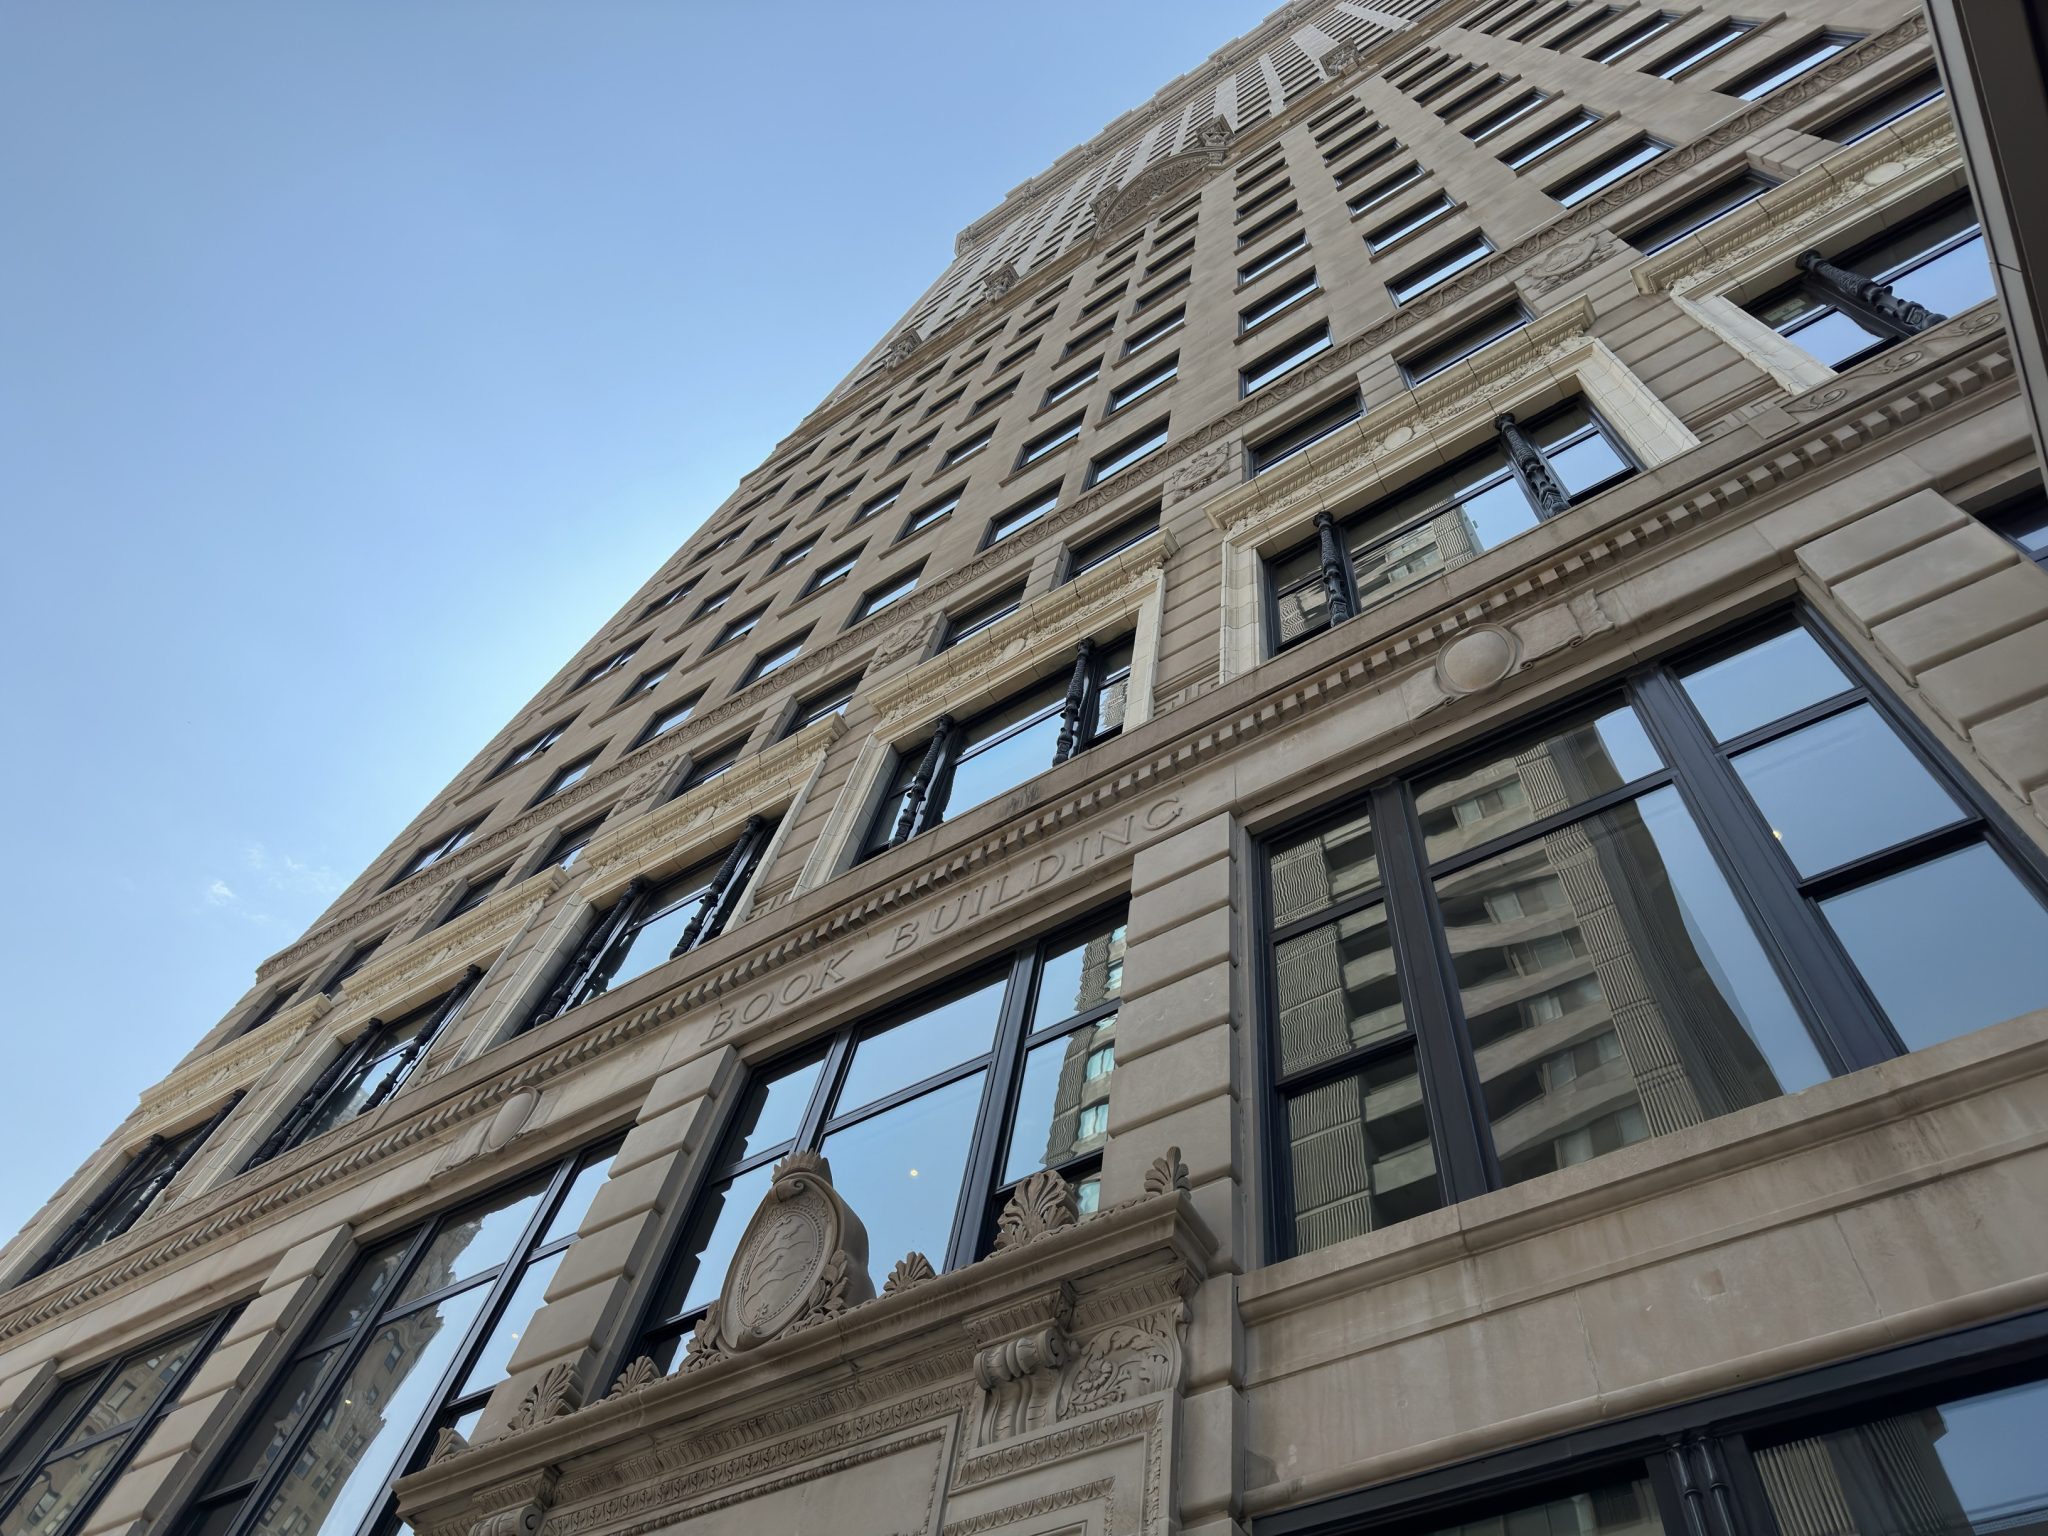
x=1166, y=1297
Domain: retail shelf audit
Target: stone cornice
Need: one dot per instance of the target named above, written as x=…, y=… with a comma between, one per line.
x=1941, y=371
x=1394, y=438
x=973, y=672
x=693, y=823
x=1886, y=166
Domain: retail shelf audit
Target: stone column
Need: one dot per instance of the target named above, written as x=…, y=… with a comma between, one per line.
x=1181, y=1065
x=243, y=1360
x=622, y=1238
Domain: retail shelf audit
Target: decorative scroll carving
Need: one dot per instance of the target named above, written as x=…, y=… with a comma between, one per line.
x=1042, y=1204
x=1018, y=1382
x=1206, y=467
x=702, y=1348
x=553, y=1395
x=1168, y=1175
x=643, y=1372
x=912, y=1269
x=516, y=1508
x=1119, y=1364
x=1150, y=185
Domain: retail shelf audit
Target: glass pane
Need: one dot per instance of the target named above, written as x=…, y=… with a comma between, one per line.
x=372, y=1277
x=1761, y=683
x=1950, y=283
x=1063, y=1100
x=50, y=1423
x=1359, y=1155
x=135, y=1388
x=1565, y=765
x=901, y=1171
x=1948, y=946
x=894, y=1056
x=264, y=1433
x=477, y=1240
x=706, y=1251
x=58, y=1488
x=1318, y=869
x=1491, y=517
x=344, y=1469
x=1002, y=765
x=1079, y=978
x=1337, y=990
x=1842, y=787
x=576, y=1200
x=1578, y=451
x=489, y=1367
x=1832, y=337
x=1973, y=1465
x=772, y=1111
x=1625, y=1507
x=654, y=940
x=1613, y=989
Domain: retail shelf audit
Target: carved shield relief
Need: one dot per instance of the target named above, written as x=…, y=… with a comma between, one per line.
x=803, y=1257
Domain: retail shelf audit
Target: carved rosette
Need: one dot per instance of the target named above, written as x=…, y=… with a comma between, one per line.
x=802, y=1260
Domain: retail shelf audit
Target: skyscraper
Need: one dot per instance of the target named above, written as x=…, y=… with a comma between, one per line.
x=1355, y=841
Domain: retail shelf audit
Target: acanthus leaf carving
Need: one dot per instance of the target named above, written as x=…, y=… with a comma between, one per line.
x=912, y=1269
x=448, y=1443
x=551, y=1396
x=1042, y=1204
x=703, y=1348
x=642, y=1372
x=1168, y=1175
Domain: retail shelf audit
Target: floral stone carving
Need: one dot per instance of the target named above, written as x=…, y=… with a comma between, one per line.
x=553, y=1395
x=912, y=1269
x=643, y=1372
x=802, y=1259
x=1043, y=1203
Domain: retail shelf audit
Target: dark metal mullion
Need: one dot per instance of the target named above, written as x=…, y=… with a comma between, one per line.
x=1336, y=912
x=1452, y=1096
x=497, y=1289
x=992, y=1124
x=810, y=1129
x=1074, y=1021
x=1507, y=842
x=1785, y=725
x=1276, y=1181
x=1840, y=1014
x=1893, y=857
x=902, y=1096
x=1342, y=1066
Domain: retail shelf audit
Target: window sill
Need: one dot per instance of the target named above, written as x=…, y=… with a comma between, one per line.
x=1399, y=242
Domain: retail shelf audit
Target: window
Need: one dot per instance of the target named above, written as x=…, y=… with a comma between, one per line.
x=993, y=398
x=794, y=553
x=1698, y=212
x=353, y=961
x=2025, y=522
x=1864, y=119
x=528, y=750
x=1142, y=385
x=1254, y=233
x=1283, y=298
x=1578, y=31
x=1445, y=82
x=568, y=846
x=1283, y=359
x=1606, y=171
x=1019, y=517
x=709, y=765
x=278, y=1001
x=1419, y=217
x=888, y=594
x=1503, y=320
x=1339, y=150
x=654, y=922
x=565, y=776
x=1721, y=882
x=966, y=450
x=834, y=573
x=1470, y=98
x=941, y=404
x=1104, y=299
x=1087, y=338
x=1380, y=191
x=1171, y=286
x=669, y=599
x=1533, y=149
x=125, y=1199
x=1500, y=118
x=434, y=852
x=366, y=1072
x=1371, y=162
x=1048, y=441
x=665, y=720
x=766, y=539
x=648, y=681
x=1152, y=268
x=1078, y=380
x=986, y=1082
x=1627, y=42
x=475, y=892
x=768, y=663
x=1260, y=265
x=1789, y=66
x=606, y=667
x=1158, y=330
x=738, y=628
x=413, y=1343
x=874, y=447
x=1104, y=547
x=1444, y=520
x=931, y=512
x=823, y=703
x=713, y=603
x=69, y=1453
x=963, y=764
x=837, y=497
x=973, y=620
x=1288, y=441
x=1700, y=49
x=1925, y=271
x=881, y=501
x=1126, y=453
x=1439, y=269
x=1278, y=189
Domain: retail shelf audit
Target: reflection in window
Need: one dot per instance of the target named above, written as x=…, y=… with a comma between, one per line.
x=903, y=1106
x=414, y=1343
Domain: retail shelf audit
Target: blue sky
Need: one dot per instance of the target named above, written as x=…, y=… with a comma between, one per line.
x=357, y=360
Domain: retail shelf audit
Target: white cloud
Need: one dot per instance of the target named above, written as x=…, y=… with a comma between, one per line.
x=219, y=894
x=282, y=873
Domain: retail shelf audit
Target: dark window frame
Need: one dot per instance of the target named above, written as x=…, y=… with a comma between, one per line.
x=143, y=1176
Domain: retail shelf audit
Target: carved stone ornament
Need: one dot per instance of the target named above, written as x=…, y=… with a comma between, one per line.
x=1150, y=185
x=1168, y=1175
x=643, y=1372
x=518, y=1508
x=1339, y=59
x=999, y=280
x=1043, y=1203
x=1476, y=659
x=1205, y=468
x=446, y=1444
x=553, y=1395
x=912, y=1269
x=898, y=350
x=702, y=1348
x=803, y=1259
x=1215, y=136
